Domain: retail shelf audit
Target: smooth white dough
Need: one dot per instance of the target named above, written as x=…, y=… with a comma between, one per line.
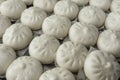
x=33, y=17
x=7, y=56
x=28, y=2
x=17, y=36
x=71, y=56
x=47, y=5
x=24, y=68
x=66, y=8
x=92, y=15
x=57, y=74
x=109, y=41
x=4, y=24
x=12, y=8
x=80, y=2
x=101, y=66
x=56, y=25
x=115, y=5
x=113, y=21
x=84, y=34
x=103, y=4
x=1, y=1
x=44, y=48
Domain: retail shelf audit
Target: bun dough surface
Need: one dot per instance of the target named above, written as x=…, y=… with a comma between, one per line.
x=17, y=36
x=84, y=34
x=12, y=8
x=104, y=4
x=109, y=41
x=101, y=66
x=115, y=5
x=71, y=56
x=66, y=8
x=4, y=24
x=33, y=17
x=92, y=15
x=56, y=25
x=1, y=1
x=7, y=56
x=57, y=74
x=47, y=5
x=113, y=21
x=80, y=2
x=44, y=48
x=24, y=68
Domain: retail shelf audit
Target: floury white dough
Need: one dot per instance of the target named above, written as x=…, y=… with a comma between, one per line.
x=28, y=2
x=103, y=4
x=1, y=1
x=12, y=8
x=66, y=8
x=57, y=74
x=84, y=34
x=92, y=15
x=7, y=56
x=71, y=56
x=109, y=41
x=101, y=66
x=80, y=2
x=44, y=48
x=33, y=17
x=4, y=24
x=24, y=68
x=115, y=6
x=113, y=21
x=47, y=5
x=56, y=25
x=17, y=36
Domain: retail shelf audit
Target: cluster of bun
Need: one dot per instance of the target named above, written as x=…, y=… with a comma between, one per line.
x=60, y=39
